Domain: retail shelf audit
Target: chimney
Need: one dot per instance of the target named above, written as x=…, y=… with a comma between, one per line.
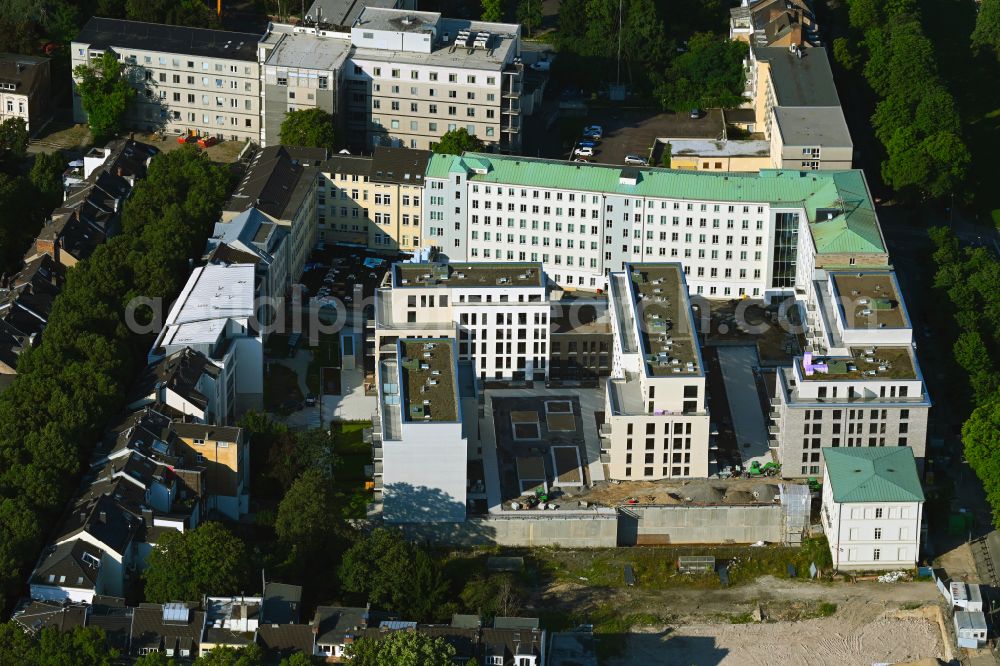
x=103, y=516
x=121, y=171
x=147, y=517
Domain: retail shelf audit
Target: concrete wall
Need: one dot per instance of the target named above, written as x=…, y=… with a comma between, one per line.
x=568, y=531
x=696, y=524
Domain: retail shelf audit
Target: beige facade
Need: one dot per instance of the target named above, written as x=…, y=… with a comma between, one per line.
x=25, y=88
x=188, y=80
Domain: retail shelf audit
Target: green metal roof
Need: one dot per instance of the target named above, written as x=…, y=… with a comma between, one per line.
x=837, y=203
x=873, y=474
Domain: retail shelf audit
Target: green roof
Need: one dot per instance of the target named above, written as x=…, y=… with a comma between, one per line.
x=873, y=474
x=837, y=202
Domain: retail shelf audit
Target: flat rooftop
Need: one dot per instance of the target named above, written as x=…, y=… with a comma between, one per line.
x=864, y=363
x=428, y=369
x=711, y=148
x=805, y=80
x=213, y=294
x=813, y=126
x=869, y=300
x=479, y=274
x=306, y=51
x=343, y=12
x=580, y=317
x=104, y=33
x=666, y=331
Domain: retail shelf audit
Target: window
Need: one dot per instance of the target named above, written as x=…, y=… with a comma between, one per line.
x=877, y=554
x=878, y=513
x=878, y=533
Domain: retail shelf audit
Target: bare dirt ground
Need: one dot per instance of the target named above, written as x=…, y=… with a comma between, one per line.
x=856, y=637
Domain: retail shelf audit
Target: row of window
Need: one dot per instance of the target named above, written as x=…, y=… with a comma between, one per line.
x=414, y=75
x=873, y=414
x=674, y=471
x=432, y=127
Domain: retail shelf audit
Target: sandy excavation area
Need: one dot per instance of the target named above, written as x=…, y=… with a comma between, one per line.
x=845, y=639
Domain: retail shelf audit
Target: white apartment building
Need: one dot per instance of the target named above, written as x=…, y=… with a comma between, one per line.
x=756, y=235
x=859, y=383
x=215, y=315
x=657, y=422
x=421, y=433
x=498, y=314
x=189, y=80
x=397, y=77
x=872, y=508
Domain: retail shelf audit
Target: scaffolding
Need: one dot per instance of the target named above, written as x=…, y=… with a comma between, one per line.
x=795, y=506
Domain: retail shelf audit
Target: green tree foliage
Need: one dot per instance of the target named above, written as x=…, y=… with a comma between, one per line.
x=291, y=454
x=13, y=143
x=490, y=596
x=156, y=659
x=298, y=659
x=79, y=647
x=46, y=176
x=394, y=574
x=845, y=53
x=529, y=14
x=251, y=655
x=193, y=13
x=402, y=648
x=304, y=516
x=710, y=74
x=105, y=94
x=458, y=141
x=186, y=565
x=74, y=382
x=987, y=32
x=981, y=437
x=311, y=128
x=917, y=119
x=492, y=10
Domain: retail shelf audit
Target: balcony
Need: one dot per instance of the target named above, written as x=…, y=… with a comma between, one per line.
x=775, y=402
x=511, y=112
x=773, y=430
x=378, y=468
x=512, y=94
x=604, y=430
x=377, y=453
x=510, y=129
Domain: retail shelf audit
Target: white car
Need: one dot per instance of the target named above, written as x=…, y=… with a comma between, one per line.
x=635, y=160
x=585, y=151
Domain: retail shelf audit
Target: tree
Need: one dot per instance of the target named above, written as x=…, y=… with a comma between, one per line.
x=13, y=144
x=311, y=128
x=46, y=176
x=981, y=438
x=298, y=659
x=529, y=14
x=105, y=94
x=667, y=155
x=709, y=75
x=391, y=573
x=402, y=648
x=192, y=13
x=986, y=35
x=186, y=565
x=251, y=655
x=491, y=596
x=492, y=10
x=83, y=646
x=845, y=53
x=305, y=515
x=156, y=659
x=458, y=141
x=291, y=454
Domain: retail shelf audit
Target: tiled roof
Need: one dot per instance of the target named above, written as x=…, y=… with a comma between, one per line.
x=873, y=474
x=853, y=226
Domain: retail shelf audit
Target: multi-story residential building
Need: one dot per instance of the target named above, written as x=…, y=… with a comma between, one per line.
x=580, y=339
x=189, y=80
x=859, y=383
x=186, y=384
x=215, y=315
x=657, y=421
x=374, y=201
x=397, y=77
x=872, y=508
x=422, y=431
x=281, y=182
x=25, y=88
x=497, y=312
x=252, y=238
x=797, y=108
x=774, y=23
x=756, y=235
x=224, y=452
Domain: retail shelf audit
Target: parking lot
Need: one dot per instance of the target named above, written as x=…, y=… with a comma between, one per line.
x=334, y=271
x=634, y=132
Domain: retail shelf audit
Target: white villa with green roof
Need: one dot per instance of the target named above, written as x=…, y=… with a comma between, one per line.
x=872, y=507
x=747, y=234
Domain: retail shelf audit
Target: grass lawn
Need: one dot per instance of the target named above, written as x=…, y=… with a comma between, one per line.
x=352, y=454
x=325, y=354
x=280, y=385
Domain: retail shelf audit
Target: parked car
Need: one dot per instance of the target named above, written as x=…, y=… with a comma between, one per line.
x=310, y=400
x=593, y=132
x=695, y=114
x=187, y=138
x=585, y=151
x=207, y=141
x=586, y=143
x=635, y=160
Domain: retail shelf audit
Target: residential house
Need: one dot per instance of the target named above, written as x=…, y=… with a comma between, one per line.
x=280, y=182
x=188, y=80
x=25, y=304
x=280, y=641
x=252, y=238
x=186, y=384
x=514, y=641
x=34, y=615
x=336, y=627
x=175, y=629
x=232, y=622
x=70, y=572
x=872, y=507
x=114, y=618
x=774, y=23
x=224, y=452
x=281, y=603
x=25, y=89
x=572, y=648
x=215, y=315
